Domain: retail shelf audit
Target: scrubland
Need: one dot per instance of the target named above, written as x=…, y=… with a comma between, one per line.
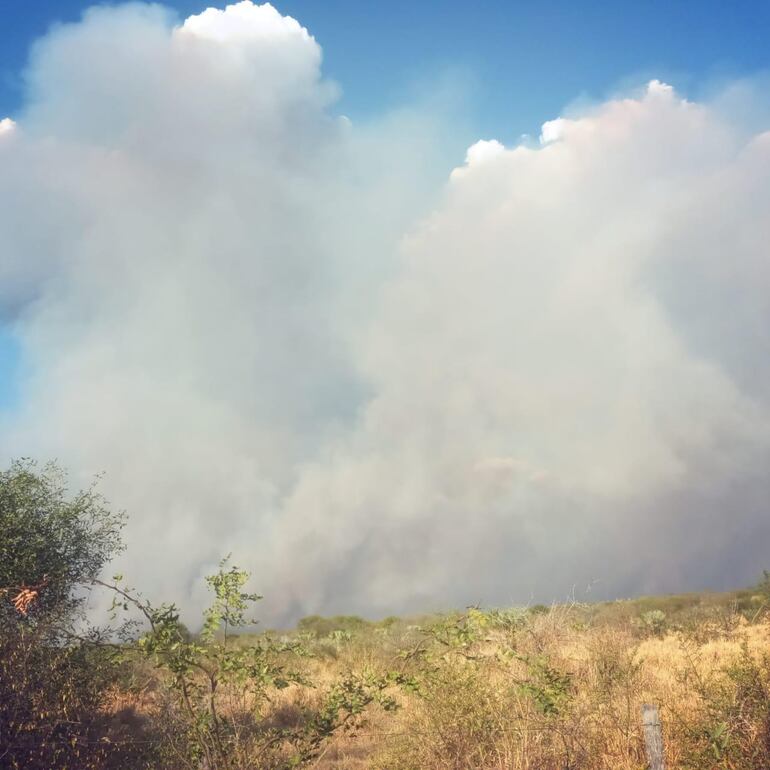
x=528, y=688
x=520, y=689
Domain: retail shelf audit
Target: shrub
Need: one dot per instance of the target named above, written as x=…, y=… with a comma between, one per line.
x=51, y=543
x=730, y=725
x=653, y=621
x=218, y=692
x=324, y=627
x=51, y=685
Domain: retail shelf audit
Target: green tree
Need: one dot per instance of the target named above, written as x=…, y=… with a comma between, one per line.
x=52, y=546
x=51, y=543
x=219, y=687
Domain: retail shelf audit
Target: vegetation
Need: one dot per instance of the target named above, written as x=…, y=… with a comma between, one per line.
x=214, y=702
x=516, y=689
x=51, y=542
x=51, y=686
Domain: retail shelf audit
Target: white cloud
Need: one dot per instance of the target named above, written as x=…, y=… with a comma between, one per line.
x=477, y=154
x=6, y=126
x=482, y=151
x=553, y=130
x=227, y=302
x=658, y=88
x=244, y=22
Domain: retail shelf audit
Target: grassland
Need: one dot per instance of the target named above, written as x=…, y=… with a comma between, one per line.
x=528, y=688
x=540, y=688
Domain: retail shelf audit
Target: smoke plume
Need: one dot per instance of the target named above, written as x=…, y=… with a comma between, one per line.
x=279, y=338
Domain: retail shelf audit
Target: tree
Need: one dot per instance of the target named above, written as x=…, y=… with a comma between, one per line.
x=220, y=688
x=212, y=691
x=50, y=543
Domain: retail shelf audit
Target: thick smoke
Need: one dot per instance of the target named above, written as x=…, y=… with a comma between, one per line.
x=278, y=340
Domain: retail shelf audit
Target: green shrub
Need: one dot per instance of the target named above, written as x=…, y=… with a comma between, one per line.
x=653, y=621
x=52, y=685
x=219, y=691
x=323, y=627
x=51, y=541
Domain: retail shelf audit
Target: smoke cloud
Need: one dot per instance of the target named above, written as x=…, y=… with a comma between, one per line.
x=280, y=338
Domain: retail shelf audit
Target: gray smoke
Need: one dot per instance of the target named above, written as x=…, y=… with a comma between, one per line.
x=279, y=339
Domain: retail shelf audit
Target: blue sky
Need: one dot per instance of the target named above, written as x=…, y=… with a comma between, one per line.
x=520, y=62
x=526, y=59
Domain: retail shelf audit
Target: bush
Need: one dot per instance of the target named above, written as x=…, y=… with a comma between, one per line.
x=217, y=693
x=653, y=621
x=51, y=685
x=50, y=543
x=729, y=726
x=321, y=627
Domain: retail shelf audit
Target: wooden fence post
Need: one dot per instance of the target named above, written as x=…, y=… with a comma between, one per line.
x=653, y=736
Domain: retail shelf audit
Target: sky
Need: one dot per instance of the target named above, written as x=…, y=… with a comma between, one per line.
x=539, y=57
x=523, y=61
x=406, y=307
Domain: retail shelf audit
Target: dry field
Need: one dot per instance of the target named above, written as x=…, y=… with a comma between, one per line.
x=531, y=689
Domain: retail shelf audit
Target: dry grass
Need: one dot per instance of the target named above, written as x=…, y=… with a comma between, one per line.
x=555, y=690
x=554, y=693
